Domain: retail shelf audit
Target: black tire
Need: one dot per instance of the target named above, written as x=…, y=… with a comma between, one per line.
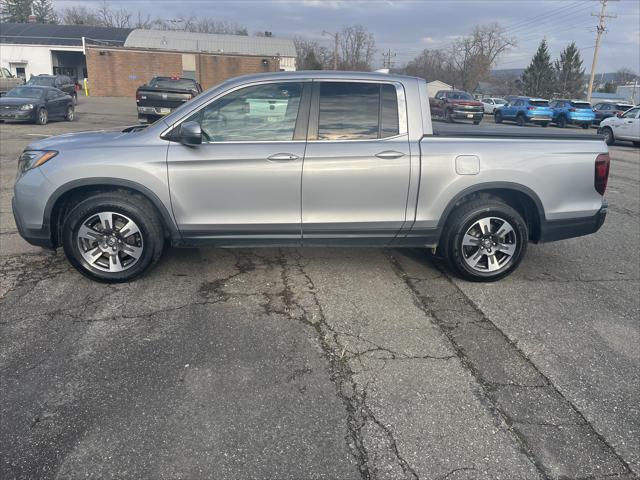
x=466, y=215
x=544, y=124
x=477, y=122
x=562, y=121
x=70, y=115
x=520, y=120
x=636, y=144
x=133, y=206
x=608, y=136
x=42, y=116
x=497, y=117
x=585, y=126
x=447, y=116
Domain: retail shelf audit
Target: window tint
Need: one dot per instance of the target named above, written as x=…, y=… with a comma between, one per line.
x=260, y=113
x=539, y=103
x=631, y=113
x=357, y=111
x=500, y=100
x=348, y=111
x=581, y=105
x=6, y=73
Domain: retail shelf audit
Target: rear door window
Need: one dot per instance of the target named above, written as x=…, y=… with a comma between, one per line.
x=539, y=103
x=357, y=111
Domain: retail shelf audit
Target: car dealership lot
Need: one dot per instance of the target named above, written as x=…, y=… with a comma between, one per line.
x=322, y=363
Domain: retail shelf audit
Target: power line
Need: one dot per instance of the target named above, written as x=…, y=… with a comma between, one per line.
x=387, y=59
x=602, y=16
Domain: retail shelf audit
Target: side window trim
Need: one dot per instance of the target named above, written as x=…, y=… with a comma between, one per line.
x=314, y=114
x=302, y=119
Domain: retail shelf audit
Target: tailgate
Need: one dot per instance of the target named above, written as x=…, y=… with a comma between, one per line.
x=162, y=98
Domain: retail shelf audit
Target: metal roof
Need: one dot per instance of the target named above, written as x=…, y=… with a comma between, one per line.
x=210, y=43
x=47, y=34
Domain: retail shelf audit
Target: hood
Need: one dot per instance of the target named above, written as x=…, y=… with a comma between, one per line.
x=14, y=101
x=78, y=140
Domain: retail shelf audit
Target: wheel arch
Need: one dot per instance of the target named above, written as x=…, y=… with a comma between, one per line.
x=71, y=192
x=518, y=196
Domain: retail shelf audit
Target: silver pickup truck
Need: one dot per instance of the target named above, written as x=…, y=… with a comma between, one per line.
x=307, y=158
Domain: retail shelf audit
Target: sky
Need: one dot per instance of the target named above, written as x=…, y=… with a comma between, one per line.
x=409, y=26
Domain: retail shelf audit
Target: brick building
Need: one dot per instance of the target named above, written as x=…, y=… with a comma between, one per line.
x=207, y=58
x=117, y=61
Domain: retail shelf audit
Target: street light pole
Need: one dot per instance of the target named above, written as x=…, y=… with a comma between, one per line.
x=336, y=37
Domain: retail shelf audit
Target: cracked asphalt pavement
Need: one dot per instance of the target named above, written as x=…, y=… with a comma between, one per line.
x=321, y=363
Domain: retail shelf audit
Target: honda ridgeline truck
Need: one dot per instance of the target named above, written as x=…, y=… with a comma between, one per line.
x=307, y=158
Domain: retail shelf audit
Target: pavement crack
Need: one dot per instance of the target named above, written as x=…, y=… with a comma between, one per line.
x=455, y=470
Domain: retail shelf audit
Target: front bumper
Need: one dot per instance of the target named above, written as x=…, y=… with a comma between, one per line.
x=40, y=237
x=467, y=115
x=16, y=115
x=553, y=230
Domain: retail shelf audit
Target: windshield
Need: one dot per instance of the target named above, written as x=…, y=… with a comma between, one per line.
x=26, y=92
x=181, y=83
x=459, y=96
x=581, y=105
x=42, y=81
x=539, y=103
x=623, y=107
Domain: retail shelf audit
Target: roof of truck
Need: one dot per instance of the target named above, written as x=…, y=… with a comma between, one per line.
x=324, y=74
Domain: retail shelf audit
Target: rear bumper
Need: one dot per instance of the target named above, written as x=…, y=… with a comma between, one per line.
x=552, y=230
x=40, y=237
x=538, y=118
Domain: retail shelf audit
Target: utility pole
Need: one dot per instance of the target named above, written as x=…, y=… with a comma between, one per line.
x=336, y=37
x=387, y=57
x=600, y=29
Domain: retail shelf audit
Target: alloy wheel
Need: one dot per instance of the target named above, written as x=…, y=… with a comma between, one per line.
x=489, y=244
x=110, y=241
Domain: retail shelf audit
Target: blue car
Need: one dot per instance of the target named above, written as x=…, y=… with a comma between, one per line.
x=572, y=112
x=523, y=110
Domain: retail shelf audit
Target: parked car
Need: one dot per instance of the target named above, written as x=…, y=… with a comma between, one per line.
x=8, y=81
x=162, y=95
x=523, y=110
x=61, y=82
x=609, y=109
x=572, y=112
x=217, y=172
x=490, y=104
x=36, y=104
x=626, y=127
x=456, y=105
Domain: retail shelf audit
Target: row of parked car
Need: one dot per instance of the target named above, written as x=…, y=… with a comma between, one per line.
x=42, y=98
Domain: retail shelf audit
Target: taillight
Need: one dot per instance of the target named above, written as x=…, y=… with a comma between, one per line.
x=531, y=108
x=601, y=173
x=572, y=109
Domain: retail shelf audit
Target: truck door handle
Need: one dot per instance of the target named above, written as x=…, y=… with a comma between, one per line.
x=389, y=154
x=282, y=157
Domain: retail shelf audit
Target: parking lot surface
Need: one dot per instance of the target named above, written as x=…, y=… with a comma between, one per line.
x=322, y=363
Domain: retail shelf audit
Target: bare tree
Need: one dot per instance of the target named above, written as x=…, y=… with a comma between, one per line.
x=120, y=18
x=357, y=47
x=79, y=15
x=143, y=21
x=431, y=65
x=310, y=55
x=209, y=25
x=473, y=56
x=625, y=75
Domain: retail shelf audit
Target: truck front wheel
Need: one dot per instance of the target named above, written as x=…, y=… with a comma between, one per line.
x=113, y=237
x=484, y=240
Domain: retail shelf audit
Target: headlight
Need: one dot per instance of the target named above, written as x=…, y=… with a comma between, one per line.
x=34, y=158
x=28, y=106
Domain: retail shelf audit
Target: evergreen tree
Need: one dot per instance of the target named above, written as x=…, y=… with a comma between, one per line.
x=569, y=74
x=538, y=77
x=15, y=11
x=44, y=12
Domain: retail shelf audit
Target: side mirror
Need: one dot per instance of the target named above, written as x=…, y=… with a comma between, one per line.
x=190, y=134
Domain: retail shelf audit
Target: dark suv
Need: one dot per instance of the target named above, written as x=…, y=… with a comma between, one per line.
x=61, y=82
x=609, y=109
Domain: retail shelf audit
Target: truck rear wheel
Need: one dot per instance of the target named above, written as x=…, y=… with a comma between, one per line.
x=497, y=117
x=520, y=120
x=484, y=240
x=113, y=237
